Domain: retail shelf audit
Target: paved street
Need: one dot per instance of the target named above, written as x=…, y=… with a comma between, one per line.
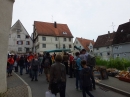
x=39, y=88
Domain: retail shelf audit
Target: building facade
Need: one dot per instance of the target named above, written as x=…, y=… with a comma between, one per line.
x=20, y=41
x=121, y=42
x=51, y=36
x=6, y=7
x=81, y=43
x=103, y=46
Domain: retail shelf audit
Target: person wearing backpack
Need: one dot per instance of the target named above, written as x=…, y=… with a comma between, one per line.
x=46, y=63
x=34, y=68
x=85, y=76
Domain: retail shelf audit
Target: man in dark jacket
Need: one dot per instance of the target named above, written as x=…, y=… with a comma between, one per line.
x=46, y=63
x=58, y=75
x=21, y=64
x=85, y=76
x=34, y=68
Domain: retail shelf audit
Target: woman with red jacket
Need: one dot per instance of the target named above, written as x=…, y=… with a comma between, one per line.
x=10, y=67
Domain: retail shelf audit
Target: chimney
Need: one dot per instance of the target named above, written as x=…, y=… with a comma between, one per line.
x=108, y=34
x=55, y=25
x=93, y=40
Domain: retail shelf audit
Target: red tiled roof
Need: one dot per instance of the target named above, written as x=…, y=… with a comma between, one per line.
x=123, y=34
x=104, y=40
x=85, y=42
x=48, y=29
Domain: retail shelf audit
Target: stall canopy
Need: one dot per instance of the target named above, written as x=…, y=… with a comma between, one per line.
x=59, y=50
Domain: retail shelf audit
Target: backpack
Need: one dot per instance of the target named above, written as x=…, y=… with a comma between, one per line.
x=75, y=64
x=34, y=65
x=46, y=63
x=91, y=61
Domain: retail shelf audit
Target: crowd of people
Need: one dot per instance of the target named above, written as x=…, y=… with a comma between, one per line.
x=55, y=68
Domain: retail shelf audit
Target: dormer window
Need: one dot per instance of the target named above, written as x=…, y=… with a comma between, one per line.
x=64, y=33
x=121, y=30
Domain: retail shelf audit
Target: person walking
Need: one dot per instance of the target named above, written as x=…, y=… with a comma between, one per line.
x=71, y=58
x=40, y=58
x=34, y=68
x=65, y=61
x=57, y=82
x=21, y=64
x=10, y=65
x=85, y=56
x=77, y=71
x=85, y=77
x=46, y=63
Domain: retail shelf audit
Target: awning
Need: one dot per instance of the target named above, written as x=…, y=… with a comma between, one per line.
x=58, y=50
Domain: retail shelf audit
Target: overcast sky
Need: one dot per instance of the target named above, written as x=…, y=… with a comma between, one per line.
x=85, y=18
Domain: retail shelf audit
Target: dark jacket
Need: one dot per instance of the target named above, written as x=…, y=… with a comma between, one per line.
x=35, y=64
x=44, y=58
x=85, y=75
x=21, y=62
x=57, y=72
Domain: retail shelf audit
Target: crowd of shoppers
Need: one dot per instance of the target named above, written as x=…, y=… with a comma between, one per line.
x=55, y=68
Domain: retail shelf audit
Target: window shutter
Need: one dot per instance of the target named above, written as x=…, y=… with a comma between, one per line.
x=17, y=42
x=22, y=42
x=28, y=42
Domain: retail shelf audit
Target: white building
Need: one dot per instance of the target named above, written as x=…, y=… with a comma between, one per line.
x=19, y=40
x=103, y=46
x=6, y=7
x=51, y=36
x=81, y=43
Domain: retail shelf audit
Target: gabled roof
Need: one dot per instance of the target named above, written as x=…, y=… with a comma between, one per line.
x=48, y=29
x=85, y=42
x=104, y=40
x=18, y=25
x=123, y=34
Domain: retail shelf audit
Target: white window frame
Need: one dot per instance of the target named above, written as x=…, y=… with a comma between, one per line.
x=27, y=42
x=18, y=36
x=19, y=49
x=43, y=45
x=20, y=42
x=43, y=38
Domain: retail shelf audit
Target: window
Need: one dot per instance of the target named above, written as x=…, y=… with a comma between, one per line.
x=108, y=53
x=69, y=39
x=70, y=46
x=100, y=54
x=97, y=48
x=90, y=47
x=56, y=38
x=43, y=45
x=76, y=42
x=19, y=42
x=63, y=45
x=107, y=47
x=118, y=55
x=18, y=36
x=18, y=30
x=27, y=42
x=26, y=36
x=64, y=33
x=44, y=38
x=64, y=39
x=116, y=47
x=19, y=49
x=56, y=45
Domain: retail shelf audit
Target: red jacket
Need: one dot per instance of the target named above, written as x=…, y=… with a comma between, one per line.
x=11, y=61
